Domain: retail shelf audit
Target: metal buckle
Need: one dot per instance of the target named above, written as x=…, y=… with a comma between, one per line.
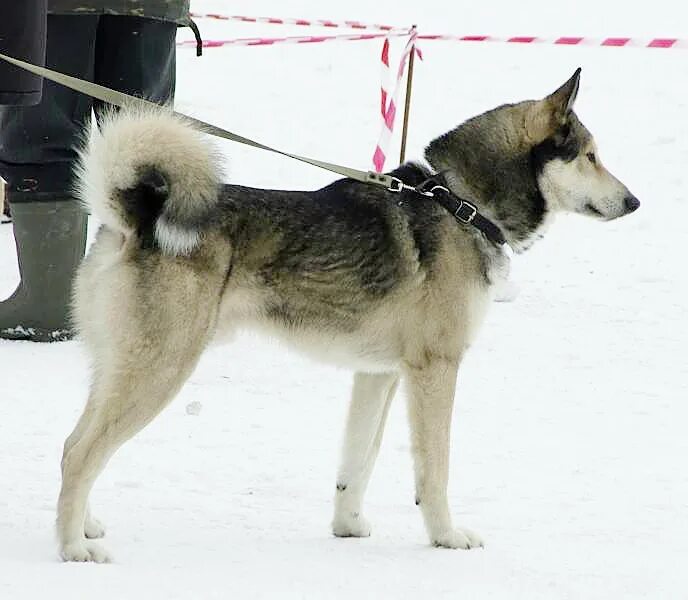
x=467, y=219
x=396, y=186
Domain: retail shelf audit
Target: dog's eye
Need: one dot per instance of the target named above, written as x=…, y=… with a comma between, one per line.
x=592, y=158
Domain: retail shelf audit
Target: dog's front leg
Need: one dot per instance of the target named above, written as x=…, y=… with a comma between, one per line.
x=431, y=389
x=370, y=399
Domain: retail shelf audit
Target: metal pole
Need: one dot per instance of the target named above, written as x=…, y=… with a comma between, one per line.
x=407, y=105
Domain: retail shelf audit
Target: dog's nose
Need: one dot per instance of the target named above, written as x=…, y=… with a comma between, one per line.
x=632, y=203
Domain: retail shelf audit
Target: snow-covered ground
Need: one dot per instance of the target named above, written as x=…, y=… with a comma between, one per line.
x=570, y=444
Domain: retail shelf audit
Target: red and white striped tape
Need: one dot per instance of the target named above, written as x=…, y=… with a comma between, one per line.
x=615, y=42
x=388, y=102
x=301, y=22
x=295, y=39
x=524, y=39
x=609, y=42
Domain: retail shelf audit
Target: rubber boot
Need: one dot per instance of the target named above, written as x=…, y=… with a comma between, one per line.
x=50, y=235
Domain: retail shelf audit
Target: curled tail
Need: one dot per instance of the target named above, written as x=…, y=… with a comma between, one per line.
x=150, y=174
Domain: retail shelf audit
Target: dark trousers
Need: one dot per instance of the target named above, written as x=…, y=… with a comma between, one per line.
x=22, y=35
x=130, y=54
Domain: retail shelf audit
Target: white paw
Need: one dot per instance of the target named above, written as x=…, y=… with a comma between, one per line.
x=351, y=525
x=459, y=538
x=84, y=551
x=93, y=528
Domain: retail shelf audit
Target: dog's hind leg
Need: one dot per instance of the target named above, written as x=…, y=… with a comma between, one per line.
x=430, y=403
x=93, y=528
x=128, y=393
x=371, y=398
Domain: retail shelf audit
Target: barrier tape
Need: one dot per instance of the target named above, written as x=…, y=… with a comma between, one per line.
x=388, y=102
x=301, y=22
x=615, y=42
x=609, y=42
x=561, y=41
x=295, y=39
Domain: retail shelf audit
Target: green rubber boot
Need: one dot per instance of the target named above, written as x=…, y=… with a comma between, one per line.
x=50, y=235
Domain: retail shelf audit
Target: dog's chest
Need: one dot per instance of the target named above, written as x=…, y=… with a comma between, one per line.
x=500, y=266
x=490, y=278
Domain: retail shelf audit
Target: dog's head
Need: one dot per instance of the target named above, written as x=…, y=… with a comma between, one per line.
x=521, y=162
x=569, y=172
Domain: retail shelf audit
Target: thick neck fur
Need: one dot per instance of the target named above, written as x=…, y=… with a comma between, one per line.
x=489, y=159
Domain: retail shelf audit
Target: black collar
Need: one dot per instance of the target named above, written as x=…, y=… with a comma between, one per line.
x=464, y=211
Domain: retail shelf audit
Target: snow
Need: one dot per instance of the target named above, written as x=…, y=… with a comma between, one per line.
x=569, y=440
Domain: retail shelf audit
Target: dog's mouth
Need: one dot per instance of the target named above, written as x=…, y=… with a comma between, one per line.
x=591, y=211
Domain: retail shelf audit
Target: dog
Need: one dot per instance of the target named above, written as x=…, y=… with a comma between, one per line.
x=388, y=284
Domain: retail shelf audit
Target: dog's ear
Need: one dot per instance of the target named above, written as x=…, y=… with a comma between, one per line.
x=539, y=121
x=544, y=117
x=561, y=101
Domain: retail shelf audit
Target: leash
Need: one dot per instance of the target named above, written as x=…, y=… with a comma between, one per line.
x=121, y=99
x=463, y=211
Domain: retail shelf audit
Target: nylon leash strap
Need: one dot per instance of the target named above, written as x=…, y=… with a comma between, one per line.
x=462, y=210
x=121, y=99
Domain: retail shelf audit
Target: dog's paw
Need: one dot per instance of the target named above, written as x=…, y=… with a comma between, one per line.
x=84, y=551
x=351, y=525
x=93, y=528
x=459, y=538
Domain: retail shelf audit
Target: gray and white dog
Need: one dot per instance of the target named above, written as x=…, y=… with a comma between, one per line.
x=391, y=285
